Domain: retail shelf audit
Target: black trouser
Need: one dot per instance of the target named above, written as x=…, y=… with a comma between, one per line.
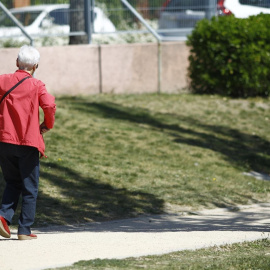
x=20, y=167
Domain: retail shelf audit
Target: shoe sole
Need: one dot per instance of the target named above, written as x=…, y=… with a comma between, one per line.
x=26, y=237
x=3, y=232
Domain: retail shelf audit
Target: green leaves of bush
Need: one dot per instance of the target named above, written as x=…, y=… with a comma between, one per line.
x=231, y=56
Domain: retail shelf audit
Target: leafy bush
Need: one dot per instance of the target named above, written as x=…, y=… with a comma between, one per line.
x=11, y=43
x=231, y=56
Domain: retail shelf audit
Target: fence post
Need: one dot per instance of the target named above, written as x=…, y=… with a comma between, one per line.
x=211, y=9
x=88, y=19
x=92, y=15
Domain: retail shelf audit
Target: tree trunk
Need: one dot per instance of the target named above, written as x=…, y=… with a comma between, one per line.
x=77, y=22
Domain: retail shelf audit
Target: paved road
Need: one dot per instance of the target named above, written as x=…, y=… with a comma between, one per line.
x=64, y=245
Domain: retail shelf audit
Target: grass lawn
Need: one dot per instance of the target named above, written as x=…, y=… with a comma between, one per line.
x=115, y=156
x=253, y=255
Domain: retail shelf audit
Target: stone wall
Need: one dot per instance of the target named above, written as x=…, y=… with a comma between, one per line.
x=91, y=69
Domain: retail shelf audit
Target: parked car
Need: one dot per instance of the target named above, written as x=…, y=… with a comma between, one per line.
x=246, y=8
x=184, y=14
x=181, y=13
x=42, y=20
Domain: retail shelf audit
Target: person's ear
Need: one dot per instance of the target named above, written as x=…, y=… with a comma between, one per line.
x=35, y=67
x=17, y=64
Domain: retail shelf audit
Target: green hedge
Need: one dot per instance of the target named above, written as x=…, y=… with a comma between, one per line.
x=231, y=56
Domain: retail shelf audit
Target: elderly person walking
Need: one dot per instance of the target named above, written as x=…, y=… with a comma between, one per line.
x=21, y=140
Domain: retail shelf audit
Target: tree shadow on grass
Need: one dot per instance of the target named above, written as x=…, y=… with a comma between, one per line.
x=237, y=147
x=87, y=199
x=240, y=149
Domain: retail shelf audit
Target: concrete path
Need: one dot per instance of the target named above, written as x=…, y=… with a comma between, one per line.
x=61, y=246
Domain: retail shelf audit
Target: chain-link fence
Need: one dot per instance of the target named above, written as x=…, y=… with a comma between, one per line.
x=108, y=21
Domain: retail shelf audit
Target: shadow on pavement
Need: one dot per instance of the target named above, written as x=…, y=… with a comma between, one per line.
x=253, y=219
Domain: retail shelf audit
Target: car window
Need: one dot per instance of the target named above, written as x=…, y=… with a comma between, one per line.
x=25, y=18
x=176, y=5
x=60, y=16
x=256, y=3
x=5, y=21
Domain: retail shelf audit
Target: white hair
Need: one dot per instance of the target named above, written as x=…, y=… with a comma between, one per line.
x=28, y=57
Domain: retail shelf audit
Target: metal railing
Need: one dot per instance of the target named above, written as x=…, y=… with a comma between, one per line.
x=16, y=22
x=170, y=20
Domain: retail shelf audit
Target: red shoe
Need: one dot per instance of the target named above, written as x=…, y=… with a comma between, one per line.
x=4, y=229
x=27, y=237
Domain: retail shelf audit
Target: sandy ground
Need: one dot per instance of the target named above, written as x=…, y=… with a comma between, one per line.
x=64, y=245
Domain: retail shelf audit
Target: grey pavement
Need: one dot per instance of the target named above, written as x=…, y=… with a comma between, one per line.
x=148, y=235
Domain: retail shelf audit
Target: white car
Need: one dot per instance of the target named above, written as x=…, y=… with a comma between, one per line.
x=43, y=20
x=246, y=8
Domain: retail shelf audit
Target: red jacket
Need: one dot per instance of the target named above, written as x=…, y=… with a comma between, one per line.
x=19, y=111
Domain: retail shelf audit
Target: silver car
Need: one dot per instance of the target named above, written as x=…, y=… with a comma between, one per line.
x=179, y=17
x=181, y=14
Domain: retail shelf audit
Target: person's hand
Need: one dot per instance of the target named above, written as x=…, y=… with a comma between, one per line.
x=43, y=128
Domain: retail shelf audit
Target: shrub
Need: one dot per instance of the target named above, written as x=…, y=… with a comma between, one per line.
x=231, y=56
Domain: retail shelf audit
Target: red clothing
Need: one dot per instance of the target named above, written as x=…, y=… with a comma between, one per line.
x=19, y=111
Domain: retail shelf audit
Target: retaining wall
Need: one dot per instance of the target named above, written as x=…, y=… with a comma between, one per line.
x=91, y=69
